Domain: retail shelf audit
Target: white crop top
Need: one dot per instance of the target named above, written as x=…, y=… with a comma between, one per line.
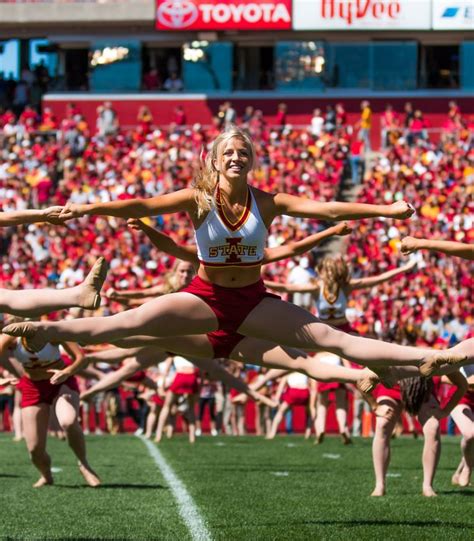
x=40, y=359
x=221, y=243
x=327, y=310
x=180, y=363
x=297, y=381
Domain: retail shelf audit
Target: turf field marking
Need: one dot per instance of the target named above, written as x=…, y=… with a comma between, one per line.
x=394, y=474
x=291, y=445
x=56, y=470
x=331, y=456
x=187, y=508
x=280, y=473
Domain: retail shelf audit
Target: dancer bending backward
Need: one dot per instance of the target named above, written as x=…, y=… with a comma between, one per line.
x=295, y=389
x=48, y=382
x=231, y=220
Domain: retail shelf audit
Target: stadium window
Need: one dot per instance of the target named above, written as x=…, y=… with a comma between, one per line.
x=253, y=68
x=158, y=63
x=300, y=65
x=76, y=63
x=439, y=66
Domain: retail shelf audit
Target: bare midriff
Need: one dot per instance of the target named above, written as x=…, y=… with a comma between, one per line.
x=41, y=373
x=230, y=276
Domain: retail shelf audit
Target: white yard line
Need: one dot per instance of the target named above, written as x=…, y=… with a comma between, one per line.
x=187, y=508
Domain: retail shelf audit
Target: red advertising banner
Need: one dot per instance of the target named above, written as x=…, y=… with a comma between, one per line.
x=223, y=15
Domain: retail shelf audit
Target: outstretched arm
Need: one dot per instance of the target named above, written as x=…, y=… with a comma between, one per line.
x=123, y=297
x=112, y=355
x=78, y=362
x=292, y=249
x=459, y=249
x=370, y=281
x=298, y=207
x=19, y=217
x=164, y=242
x=311, y=287
x=112, y=379
x=182, y=200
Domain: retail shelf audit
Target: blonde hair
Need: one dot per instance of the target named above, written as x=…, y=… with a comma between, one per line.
x=207, y=176
x=335, y=274
x=171, y=283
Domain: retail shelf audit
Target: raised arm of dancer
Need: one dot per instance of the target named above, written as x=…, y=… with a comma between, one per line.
x=263, y=379
x=448, y=247
x=311, y=287
x=294, y=248
x=123, y=297
x=457, y=379
x=19, y=217
x=112, y=355
x=165, y=243
x=371, y=281
x=182, y=200
x=291, y=205
x=112, y=379
x=218, y=372
x=78, y=362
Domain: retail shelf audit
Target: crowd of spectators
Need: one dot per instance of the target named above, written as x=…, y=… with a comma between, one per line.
x=45, y=161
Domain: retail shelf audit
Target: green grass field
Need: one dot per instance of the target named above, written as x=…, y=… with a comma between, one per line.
x=244, y=488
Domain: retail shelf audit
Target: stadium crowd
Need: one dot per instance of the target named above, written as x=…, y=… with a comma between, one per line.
x=47, y=161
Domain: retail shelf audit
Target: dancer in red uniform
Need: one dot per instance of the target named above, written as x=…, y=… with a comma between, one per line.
x=48, y=382
x=419, y=396
x=185, y=383
x=340, y=392
x=294, y=390
x=231, y=220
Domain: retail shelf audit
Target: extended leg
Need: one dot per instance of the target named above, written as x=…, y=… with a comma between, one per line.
x=294, y=327
x=67, y=411
x=35, y=302
x=464, y=419
x=35, y=430
x=381, y=443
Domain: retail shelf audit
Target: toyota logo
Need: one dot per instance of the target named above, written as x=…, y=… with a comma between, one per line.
x=177, y=13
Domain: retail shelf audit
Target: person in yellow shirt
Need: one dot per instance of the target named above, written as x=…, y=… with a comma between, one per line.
x=365, y=124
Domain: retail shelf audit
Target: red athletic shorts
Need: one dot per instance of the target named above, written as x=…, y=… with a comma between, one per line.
x=42, y=391
x=223, y=343
x=157, y=399
x=230, y=304
x=185, y=384
x=296, y=397
x=329, y=386
x=394, y=392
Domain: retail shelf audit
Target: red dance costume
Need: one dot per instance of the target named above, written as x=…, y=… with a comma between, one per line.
x=394, y=392
x=184, y=382
x=297, y=392
x=221, y=243
x=41, y=391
